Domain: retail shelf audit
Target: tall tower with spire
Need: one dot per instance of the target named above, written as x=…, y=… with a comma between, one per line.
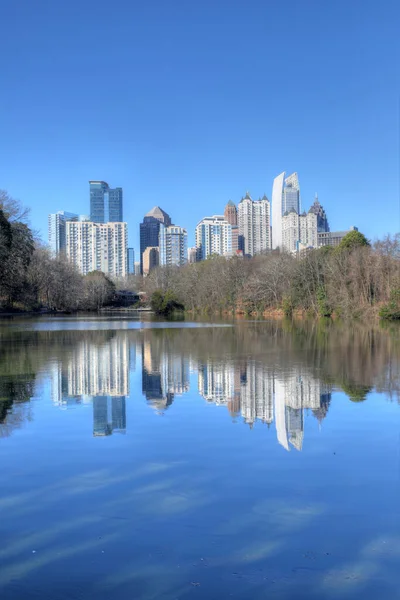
x=230, y=213
x=322, y=219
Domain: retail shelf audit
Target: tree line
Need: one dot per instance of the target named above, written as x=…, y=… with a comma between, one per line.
x=355, y=279
x=31, y=278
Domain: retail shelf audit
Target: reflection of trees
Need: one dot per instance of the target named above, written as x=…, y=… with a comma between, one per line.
x=352, y=357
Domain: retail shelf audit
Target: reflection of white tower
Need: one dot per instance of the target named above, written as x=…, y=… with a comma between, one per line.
x=280, y=413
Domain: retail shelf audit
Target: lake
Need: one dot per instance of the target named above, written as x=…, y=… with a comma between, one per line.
x=204, y=460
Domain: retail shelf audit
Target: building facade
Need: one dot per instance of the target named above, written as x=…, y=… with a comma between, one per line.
x=150, y=230
x=230, y=213
x=322, y=219
x=254, y=219
x=105, y=203
x=285, y=198
x=97, y=247
x=299, y=231
x=173, y=245
x=151, y=259
x=57, y=230
x=192, y=255
x=213, y=236
x=333, y=238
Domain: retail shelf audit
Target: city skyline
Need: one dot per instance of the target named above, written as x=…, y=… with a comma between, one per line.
x=251, y=391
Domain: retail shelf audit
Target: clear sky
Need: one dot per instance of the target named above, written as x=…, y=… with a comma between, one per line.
x=188, y=104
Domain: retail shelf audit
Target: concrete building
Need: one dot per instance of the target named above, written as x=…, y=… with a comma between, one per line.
x=57, y=230
x=97, y=247
x=105, y=203
x=213, y=236
x=137, y=268
x=150, y=259
x=333, y=238
x=150, y=230
x=254, y=225
x=230, y=213
x=192, y=254
x=173, y=245
x=299, y=231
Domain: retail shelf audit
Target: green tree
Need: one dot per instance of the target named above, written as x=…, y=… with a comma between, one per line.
x=353, y=239
x=165, y=303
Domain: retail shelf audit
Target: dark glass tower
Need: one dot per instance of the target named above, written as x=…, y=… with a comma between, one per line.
x=150, y=229
x=322, y=219
x=105, y=203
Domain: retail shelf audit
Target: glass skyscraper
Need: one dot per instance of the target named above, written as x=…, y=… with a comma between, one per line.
x=150, y=229
x=57, y=230
x=105, y=203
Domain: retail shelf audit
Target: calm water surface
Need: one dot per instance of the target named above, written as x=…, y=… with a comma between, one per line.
x=183, y=460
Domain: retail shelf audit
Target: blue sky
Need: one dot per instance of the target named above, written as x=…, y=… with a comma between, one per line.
x=189, y=104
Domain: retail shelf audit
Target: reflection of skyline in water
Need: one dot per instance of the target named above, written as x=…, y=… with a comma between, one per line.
x=273, y=387
x=257, y=393
x=96, y=374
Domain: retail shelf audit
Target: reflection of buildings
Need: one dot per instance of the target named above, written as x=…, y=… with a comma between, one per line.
x=97, y=374
x=109, y=415
x=164, y=374
x=258, y=393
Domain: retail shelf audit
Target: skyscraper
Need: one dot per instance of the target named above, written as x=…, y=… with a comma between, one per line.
x=291, y=194
x=105, y=203
x=230, y=213
x=130, y=259
x=97, y=247
x=277, y=205
x=56, y=231
x=285, y=198
x=254, y=225
x=299, y=231
x=322, y=219
x=213, y=236
x=150, y=229
x=173, y=245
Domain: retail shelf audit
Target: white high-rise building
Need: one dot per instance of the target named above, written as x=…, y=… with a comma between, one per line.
x=56, y=231
x=285, y=197
x=254, y=225
x=98, y=247
x=173, y=245
x=299, y=231
x=213, y=236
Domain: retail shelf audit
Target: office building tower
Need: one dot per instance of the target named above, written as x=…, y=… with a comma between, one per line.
x=230, y=213
x=173, y=245
x=150, y=259
x=56, y=231
x=285, y=198
x=150, y=230
x=137, y=268
x=192, y=254
x=291, y=194
x=213, y=236
x=299, y=231
x=105, y=203
x=97, y=247
x=322, y=219
x=254, y=225
x=130, y=261
x=333, y=238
